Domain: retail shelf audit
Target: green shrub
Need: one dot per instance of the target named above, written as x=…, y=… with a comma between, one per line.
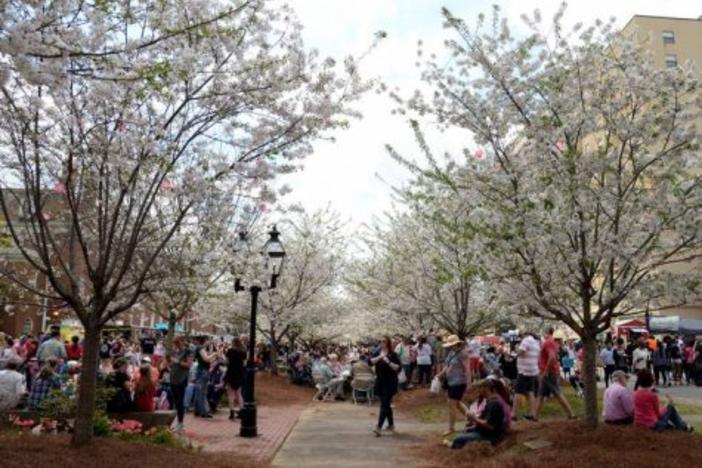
x=102, y=425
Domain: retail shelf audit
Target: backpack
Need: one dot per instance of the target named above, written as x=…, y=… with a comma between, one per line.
x=105, y=349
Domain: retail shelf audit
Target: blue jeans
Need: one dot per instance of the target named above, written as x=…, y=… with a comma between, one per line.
x=408, y=373
x=467, y=437
x=189, y=396
x=670, y=420
x=178, y=395
x=202, y=379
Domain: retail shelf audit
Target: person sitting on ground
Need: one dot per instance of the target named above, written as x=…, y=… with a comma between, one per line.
x=490, y=425
x=145, y=390
x=121, y=401
x=12, y=387
x=647, y=411
x=618, y=400
x=41, y=388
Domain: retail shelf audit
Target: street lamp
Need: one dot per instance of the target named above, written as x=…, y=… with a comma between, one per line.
x=273, y=254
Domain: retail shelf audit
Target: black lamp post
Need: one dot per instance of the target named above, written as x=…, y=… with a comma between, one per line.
x=274, y=254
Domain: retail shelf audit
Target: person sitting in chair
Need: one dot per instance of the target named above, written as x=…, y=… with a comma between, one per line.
x=330, y=379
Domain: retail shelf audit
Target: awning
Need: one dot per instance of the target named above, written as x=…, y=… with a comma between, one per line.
x=675, y=324
x=163, y=326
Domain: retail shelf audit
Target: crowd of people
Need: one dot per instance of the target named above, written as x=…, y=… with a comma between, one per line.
x=495, y=380
x=141, y=375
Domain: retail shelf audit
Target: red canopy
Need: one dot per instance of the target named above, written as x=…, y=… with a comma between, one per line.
x=635, y=325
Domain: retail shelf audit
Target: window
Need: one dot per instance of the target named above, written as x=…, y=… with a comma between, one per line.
x=671, y=60
x=668, y=37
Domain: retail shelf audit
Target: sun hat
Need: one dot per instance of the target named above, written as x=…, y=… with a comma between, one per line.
x=452, y=340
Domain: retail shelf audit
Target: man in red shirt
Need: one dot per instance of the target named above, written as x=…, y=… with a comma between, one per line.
x=550, y=373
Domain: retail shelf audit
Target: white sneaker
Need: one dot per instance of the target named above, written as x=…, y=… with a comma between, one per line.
x=178, y=428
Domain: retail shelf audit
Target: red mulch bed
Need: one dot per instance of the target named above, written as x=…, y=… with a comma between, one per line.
x=572, y=446
x=276, y=390
x=26, y=450
x=415, y=399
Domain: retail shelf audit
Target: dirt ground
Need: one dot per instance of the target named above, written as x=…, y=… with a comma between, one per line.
x=276, y=390
x=571, y=444
x=26, y=450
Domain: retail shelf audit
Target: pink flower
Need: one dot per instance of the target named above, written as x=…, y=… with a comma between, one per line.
x=128, y=425
x=59, y=187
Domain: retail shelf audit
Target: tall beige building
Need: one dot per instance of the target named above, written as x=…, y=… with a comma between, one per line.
x=673, y=41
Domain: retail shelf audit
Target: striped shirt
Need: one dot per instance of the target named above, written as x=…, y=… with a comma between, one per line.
x=528, y=363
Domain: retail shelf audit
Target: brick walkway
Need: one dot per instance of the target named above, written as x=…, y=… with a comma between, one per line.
x=221, y=435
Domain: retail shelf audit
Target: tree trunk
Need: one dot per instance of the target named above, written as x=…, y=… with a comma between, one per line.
x=85, y=413
x=274, y=354
x=589, y=375
x=171, y=333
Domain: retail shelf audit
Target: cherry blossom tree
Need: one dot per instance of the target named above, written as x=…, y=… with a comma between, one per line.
x=589, y=197
x=421, y=265
x=122, y=119
x=315, y=254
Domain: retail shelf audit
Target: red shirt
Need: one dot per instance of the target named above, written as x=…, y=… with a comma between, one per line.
x=646, y=410
x=74, y=352
x=549, y=349
x=144, y=401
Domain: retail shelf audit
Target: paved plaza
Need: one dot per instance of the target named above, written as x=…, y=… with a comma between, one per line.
x=219, y=434
x=339, y=435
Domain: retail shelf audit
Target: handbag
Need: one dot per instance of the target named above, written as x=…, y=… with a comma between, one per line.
x=402, y=377
x=435, y=386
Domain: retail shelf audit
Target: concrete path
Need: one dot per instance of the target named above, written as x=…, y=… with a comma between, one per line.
x=339, y=435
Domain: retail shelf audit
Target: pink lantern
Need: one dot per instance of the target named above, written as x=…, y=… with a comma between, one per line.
x=479, y=154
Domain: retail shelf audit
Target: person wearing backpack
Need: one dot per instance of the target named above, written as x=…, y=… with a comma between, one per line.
x=620, y=357
x=660, y=364
x=676, y=361
x=403, y=352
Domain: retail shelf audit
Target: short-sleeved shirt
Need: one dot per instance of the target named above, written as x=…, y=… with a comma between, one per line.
x=640, y=358
x=455, y=370
x=494, y=415
x=147, y=345
x=607, y=356
x=528, y=364
x=179, y=374
x=423, y=354
x=549, y=350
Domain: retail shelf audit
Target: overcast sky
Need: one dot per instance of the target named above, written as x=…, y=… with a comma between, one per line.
x=344, y=173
